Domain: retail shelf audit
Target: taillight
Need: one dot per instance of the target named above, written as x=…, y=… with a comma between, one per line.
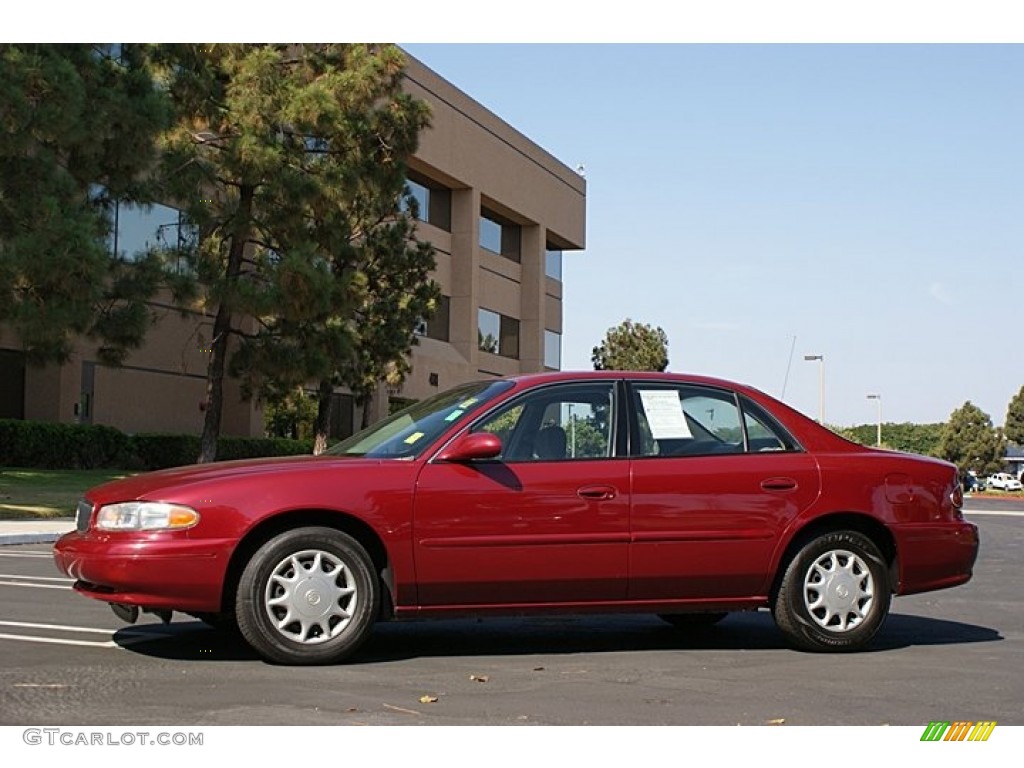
x=956, y=496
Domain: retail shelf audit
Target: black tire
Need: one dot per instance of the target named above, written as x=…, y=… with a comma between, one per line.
x=692, y=621
x=834, y=594
x=333, y=606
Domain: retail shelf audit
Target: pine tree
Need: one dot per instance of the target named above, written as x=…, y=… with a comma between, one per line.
x=399, y=294
x=970, y=441
x=1014, y=427
x=78, y=126
x=290, y=161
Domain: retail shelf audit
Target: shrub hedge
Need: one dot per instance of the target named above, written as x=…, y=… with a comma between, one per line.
x=47, y=445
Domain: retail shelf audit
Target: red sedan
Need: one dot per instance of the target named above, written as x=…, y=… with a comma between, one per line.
x=683, y=496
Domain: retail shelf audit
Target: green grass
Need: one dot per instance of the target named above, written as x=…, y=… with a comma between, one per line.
x=27, y=494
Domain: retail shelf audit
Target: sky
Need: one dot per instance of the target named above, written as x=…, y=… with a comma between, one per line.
x=763, y=202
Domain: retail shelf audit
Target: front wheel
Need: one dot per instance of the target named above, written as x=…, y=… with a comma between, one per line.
x=834, y=594
x=308, y=596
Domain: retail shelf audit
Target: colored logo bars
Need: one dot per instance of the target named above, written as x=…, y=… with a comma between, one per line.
x=959, y=731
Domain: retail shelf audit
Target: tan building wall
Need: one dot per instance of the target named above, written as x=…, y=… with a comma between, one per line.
x=487, y=163
x=475, y=160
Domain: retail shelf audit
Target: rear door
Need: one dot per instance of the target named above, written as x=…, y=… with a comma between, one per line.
x=714, y=482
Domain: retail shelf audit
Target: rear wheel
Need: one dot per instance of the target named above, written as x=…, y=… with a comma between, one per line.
x=834, y=594
x=308, y=596
x=692, y=621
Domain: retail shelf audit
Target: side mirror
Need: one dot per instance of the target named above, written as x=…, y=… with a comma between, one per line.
x=472, y=447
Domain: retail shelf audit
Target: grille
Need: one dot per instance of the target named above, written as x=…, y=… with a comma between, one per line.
x=83, y=515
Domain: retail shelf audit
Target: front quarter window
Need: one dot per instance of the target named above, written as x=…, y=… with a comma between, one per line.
x=409, y=432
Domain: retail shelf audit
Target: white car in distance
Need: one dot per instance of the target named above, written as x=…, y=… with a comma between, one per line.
x=1002, y=481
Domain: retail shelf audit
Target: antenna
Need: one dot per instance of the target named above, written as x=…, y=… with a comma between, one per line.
x=788, y=366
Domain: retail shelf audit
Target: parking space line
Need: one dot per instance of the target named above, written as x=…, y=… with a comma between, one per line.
x=57, y=641
x=27, y=554
x=61, y=627
x=35, y=578
x=127, y=636
x=993, y=513
x=37, y=586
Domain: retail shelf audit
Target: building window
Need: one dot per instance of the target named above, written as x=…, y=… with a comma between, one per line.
x=498, y=334
x=112, y=51
x=552, y=350
x=136, y=229
x=433, y=201
x=553, y=263
x=490, y=234
x=499, y=235
x=140, y=229
x=437, y=327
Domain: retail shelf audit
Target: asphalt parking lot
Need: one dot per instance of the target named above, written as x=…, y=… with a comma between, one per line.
x=950, y=655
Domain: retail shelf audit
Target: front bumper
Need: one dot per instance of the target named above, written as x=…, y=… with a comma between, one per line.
x=935, y=556
x=167, y=571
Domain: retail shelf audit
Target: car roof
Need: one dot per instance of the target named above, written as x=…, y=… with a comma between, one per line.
x=807, y=432
x=555, y=376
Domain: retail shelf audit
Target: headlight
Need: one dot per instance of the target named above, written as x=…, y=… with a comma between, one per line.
x=145, y=516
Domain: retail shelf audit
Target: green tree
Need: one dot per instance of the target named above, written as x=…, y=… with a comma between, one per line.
x=909, y=438
x=398, y=294
x=1014, y=427
x=77, y=128
x=970, y=441
x=632, y=347
x=586, y=437
x=503, y=425
x=290, y=414
x=290, y=161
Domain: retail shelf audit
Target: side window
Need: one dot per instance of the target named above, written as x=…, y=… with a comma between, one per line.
x=558, y=423
x=763, y=432
x=684, y=420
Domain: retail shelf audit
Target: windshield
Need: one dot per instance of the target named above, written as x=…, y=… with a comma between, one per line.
x=412, y=430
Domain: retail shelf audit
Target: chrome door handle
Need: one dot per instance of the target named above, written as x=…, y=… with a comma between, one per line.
x=779, y=484
x=597, y=492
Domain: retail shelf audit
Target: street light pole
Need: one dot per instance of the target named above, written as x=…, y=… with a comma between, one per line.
x=878, y=398
x=821, y=385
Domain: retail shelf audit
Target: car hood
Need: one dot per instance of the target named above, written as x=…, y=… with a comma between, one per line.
x=152, y=485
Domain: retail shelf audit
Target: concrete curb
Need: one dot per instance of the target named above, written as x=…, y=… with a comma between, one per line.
x=34, y=531
x=7, y=539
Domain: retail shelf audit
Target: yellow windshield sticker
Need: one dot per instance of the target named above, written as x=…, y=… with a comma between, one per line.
x=413, y=438
x=467, y=403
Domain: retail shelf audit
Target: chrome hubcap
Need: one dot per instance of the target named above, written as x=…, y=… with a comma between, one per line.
x=838, y=590
x=310, y=596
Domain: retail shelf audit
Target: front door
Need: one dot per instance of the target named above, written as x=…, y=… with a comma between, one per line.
x=547, y=522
